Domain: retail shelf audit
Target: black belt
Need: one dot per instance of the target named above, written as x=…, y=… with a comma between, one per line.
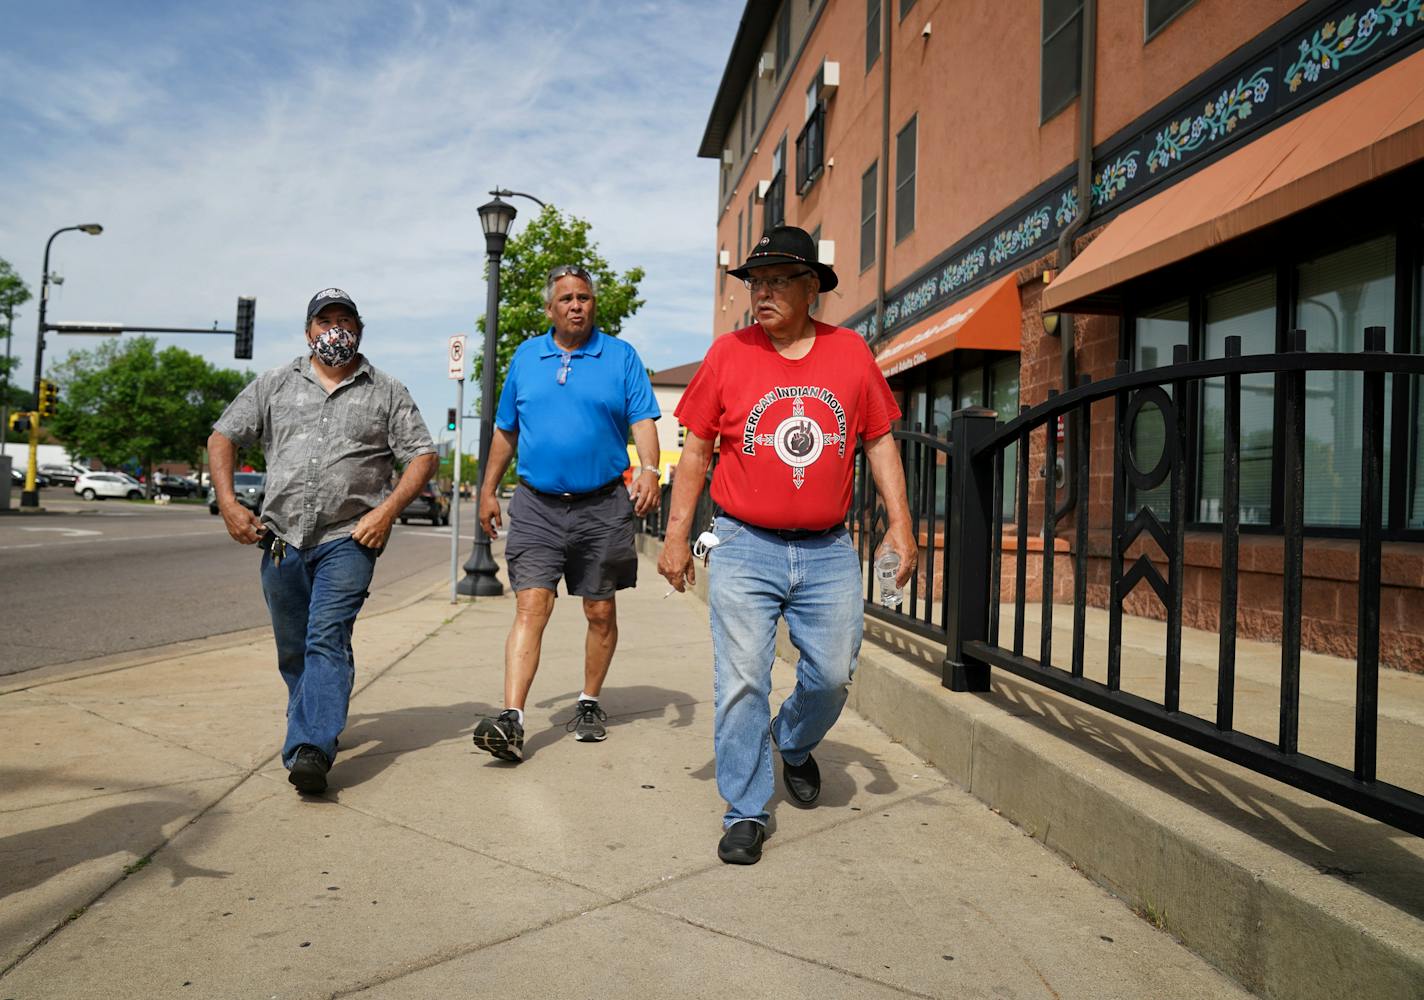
x=603, y=491
x=798, y=534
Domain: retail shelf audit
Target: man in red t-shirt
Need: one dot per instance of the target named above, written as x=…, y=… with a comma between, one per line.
x=789, y=398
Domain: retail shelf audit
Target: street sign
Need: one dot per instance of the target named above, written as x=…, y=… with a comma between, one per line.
x=457, y=357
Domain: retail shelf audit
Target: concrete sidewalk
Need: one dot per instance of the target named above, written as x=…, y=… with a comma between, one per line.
x=152, y=847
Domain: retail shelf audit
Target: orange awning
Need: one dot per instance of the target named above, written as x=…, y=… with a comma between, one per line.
x=1372, y=129
x=989, y=319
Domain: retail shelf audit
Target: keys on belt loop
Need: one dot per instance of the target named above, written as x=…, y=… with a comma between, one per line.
x=279, y=549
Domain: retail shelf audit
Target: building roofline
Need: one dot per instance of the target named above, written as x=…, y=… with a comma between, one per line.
x=741, y=64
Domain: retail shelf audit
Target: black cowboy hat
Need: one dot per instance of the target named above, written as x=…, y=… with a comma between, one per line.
x=787, y=245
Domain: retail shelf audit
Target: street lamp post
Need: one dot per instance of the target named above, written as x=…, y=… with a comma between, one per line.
x=495, y=218
x=30, y=497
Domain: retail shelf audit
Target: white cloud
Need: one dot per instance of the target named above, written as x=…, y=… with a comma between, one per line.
x=271, y=150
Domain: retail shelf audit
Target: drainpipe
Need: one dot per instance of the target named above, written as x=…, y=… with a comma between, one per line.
x=884, y=219
x=1087, y=79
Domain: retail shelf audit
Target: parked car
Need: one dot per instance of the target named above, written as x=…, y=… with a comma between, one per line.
x=62, y=475
x=430, y=503
x=17, y=478
x=97, y=485
x=251, y=489
x=175, y=486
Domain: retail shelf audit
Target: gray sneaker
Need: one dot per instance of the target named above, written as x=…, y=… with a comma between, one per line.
x=501, y=737
x=587, y=723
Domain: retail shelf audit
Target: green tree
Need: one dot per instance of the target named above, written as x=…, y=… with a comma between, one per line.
x=13, y=294
x=127, y=400
x=549, y=240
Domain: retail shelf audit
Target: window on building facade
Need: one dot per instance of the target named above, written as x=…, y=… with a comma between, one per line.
x=905, y=6
x=1062, y=45
x=783, y=38
x=1156, y=13
x=740, y=257
x=775, y=201
x=810, y=149
x=751, y=217
x=1158, y=332
x=751, y=108
x=868, y=185
x=1337, y=297
x=722, y=271
x=1246, y=310
x=872, y=33
x=905, y=152
x=1004, y=400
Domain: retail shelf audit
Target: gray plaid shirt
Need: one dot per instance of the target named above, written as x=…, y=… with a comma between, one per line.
x=330, y=458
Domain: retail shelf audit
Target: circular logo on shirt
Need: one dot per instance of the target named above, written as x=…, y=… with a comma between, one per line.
x=798, y=441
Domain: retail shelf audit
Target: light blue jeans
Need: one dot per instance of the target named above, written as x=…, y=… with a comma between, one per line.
x=314, y=597
x=754, y=578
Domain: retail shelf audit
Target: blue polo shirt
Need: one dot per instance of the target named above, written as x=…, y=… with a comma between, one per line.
x=574, y=437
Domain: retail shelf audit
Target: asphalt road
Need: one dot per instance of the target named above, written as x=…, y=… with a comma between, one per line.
x=91, y=579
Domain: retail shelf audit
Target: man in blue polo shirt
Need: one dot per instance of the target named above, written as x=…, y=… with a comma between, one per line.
x=568, y=402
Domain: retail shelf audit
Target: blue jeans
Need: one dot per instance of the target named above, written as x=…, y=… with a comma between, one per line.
x=314, y=597
x=754, y=578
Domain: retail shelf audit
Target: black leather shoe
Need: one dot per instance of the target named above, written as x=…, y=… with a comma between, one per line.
x=308, y=771
x=802, y=781
x=741, y=844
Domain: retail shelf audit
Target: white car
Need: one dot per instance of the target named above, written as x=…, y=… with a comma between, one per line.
x=96, y=485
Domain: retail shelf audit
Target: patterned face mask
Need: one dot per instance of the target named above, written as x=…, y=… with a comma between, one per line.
x=336, y=347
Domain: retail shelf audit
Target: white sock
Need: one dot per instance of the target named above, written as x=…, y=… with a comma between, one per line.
x=519, y=712
x=588, y=697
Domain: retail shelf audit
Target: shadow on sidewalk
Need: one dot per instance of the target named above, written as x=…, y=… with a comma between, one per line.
x=36, y=856
x=1360, y=851
x=378, y=739
x=837, y=761
x=624, y=704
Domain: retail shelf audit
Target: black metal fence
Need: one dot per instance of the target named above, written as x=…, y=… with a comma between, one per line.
x=959, y=508
x=976, y=544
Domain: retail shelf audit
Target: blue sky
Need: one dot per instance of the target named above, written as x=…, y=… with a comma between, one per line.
x=272, y=149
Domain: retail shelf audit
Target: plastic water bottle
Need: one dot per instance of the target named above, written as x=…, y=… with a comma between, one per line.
x=885, y=569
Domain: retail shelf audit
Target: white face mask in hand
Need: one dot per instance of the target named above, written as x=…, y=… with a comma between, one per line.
x=336, y=347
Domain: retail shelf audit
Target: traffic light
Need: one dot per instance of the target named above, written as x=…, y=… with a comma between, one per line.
x=246, y=310
x=49, y=398
x=20, y=423
x=450, y=419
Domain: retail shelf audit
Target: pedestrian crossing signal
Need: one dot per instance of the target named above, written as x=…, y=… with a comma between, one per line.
x=49, y=398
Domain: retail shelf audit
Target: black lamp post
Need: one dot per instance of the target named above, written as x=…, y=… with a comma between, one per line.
x=495, y=218
x=30, y=496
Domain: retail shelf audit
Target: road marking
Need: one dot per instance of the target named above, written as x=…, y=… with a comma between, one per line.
x=88, y=541
x=75, y=532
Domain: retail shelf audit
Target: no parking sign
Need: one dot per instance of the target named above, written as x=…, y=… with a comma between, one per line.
x=457, y=356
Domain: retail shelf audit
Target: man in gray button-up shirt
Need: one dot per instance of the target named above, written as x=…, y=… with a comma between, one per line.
x=332, y=428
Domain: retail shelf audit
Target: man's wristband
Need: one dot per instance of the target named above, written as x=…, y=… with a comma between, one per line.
x=653, y=469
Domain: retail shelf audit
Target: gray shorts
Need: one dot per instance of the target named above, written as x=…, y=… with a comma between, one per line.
x=587, y=542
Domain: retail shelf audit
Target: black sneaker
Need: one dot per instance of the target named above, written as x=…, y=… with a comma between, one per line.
x=308, y=770
x=502, y=737
x=587, y=723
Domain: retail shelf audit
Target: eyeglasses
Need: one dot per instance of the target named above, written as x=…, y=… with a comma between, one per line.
x=563, y=270
x=776, y=284
x=564, y=359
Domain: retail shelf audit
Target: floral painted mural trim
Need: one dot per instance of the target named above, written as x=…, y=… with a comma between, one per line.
x=1107, y=185
x=1333, y=42
x=1218, y=118
x=1010, y=242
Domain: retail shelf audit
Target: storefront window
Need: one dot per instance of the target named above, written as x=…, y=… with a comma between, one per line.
x=1339, y=295
x=1246, y=310
x=1158, y=332
x=1416, y=505
x=1004, y=399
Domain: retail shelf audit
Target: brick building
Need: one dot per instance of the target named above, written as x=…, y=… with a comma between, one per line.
x=1251, y=169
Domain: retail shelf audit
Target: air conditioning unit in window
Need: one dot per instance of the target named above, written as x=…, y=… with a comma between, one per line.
x=724, y=258
x=766, y=66
x=761, y=189
x=826, y=252
x=727, y=158
x=830, y=77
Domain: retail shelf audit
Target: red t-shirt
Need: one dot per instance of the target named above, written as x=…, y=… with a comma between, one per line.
x=789, y=428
